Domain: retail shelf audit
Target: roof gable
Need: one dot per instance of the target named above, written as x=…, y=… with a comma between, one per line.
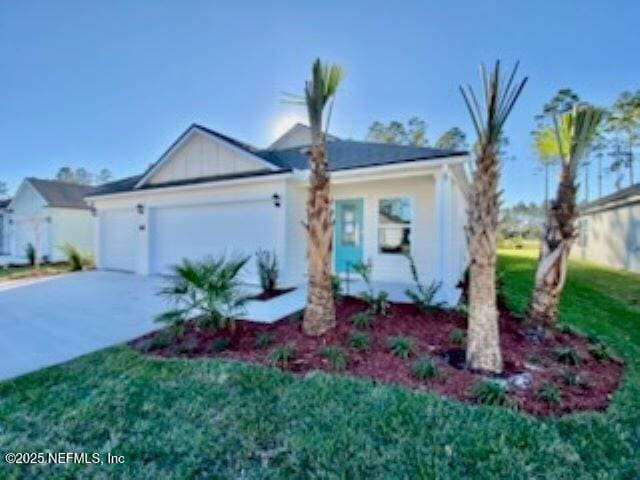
x=56, y=194
x=297, y=136
x=201, y=152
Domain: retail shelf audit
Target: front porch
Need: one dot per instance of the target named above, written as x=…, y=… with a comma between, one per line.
x=277, y=308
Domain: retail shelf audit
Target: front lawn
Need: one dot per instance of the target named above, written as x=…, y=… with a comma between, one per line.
x=28, y=271
x=212, y=418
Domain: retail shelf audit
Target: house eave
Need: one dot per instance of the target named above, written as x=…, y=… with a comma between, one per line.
x=150, y=190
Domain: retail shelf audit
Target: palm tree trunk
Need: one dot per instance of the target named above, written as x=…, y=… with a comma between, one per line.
x=320, y=314
x=557, y=239
x=483, y=348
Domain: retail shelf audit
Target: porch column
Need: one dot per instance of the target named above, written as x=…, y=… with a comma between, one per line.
x=444, y=247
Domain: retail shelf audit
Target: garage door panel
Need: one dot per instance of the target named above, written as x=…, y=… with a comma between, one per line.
x=195, y=232
x=118, y=241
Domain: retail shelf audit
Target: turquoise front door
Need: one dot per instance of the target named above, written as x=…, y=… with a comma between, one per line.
x=348, y=234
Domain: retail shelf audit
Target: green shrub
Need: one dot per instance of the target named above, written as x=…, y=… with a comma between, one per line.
x=263, y=339
x=359, y=340
x=30, y=253
x=425, y=368
x=576, y=380
x=565, y=355
x=402, y=347
x=422, y=296
x=336, y=287
x=336, y=357
x=280, y=356
x=76, y=260
x=162, y=339
x=569, y=329
x=361, y=319
x=220, y=344
x=549, y=393
x=457, y=335
x=378, y=303
x=208, y=291
x=267, y=263
x=600, y=352
x=487, y=392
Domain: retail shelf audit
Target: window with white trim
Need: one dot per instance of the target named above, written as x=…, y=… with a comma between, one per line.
x=394, y=225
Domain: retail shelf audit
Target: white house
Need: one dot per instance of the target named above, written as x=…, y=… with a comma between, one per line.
x=610, y=230
x=46, y=214
x=210, y=194
x=4, y=226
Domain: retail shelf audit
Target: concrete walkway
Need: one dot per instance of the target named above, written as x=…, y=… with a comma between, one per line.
x=52, y=320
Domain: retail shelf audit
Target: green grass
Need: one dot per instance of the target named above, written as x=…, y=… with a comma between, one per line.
x=16, y=273
x=210, y=418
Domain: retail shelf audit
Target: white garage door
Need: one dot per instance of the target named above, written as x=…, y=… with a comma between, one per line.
x=195, y=232
x=118, y=240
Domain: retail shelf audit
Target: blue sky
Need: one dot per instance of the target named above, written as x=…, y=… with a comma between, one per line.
x=112, y=84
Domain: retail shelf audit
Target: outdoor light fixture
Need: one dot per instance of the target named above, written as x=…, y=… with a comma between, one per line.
x=276, y=200
x=94, y=212
x=140, y=208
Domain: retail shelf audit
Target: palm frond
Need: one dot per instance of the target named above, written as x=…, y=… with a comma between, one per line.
x=500, y=95
x=575, y=132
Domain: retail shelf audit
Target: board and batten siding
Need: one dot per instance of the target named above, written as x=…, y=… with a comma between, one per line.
x=610, y=237
x=202, y=156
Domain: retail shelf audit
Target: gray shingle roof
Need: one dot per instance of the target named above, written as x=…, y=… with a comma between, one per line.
x=117, y=186
x=346, y=154
x=62, y=194
x=5, y=203
x=342, y=155
x=620, y=195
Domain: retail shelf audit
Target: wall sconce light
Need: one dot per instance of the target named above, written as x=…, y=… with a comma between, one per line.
x=94, y=212
x=140, y=208
x=276, y=200
x=48, y=219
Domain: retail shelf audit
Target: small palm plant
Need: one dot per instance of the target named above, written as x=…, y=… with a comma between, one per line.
x=207, y=291
x=422, y=296
x=267, y=263
x=378, y=302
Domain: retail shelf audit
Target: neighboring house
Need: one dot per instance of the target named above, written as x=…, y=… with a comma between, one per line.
x=210, y=194
x=4, y=225
x=609, y=230
x=47, y=214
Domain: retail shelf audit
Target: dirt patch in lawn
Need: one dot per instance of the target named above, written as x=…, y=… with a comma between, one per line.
x=563, y=373
x=268, y=295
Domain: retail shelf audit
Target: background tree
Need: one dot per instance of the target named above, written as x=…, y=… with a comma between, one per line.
x=574, y=132
x=499, y=97
x=82, y=176
x=395, y=132
x=522, y=220
x=103, y=176
x=319, y=315
x=623, y=124
x=453, y=139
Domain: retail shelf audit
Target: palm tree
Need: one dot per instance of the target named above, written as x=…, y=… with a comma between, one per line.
x=500, y=95
x=320, y=315
x=575, y=132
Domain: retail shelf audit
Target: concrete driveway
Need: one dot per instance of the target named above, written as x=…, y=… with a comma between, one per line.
x=52, y=320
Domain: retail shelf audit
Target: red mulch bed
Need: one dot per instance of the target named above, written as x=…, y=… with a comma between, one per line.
x=268, y=295
x=430, y=332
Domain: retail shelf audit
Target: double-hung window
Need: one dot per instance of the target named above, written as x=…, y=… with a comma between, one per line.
x=394, y=225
